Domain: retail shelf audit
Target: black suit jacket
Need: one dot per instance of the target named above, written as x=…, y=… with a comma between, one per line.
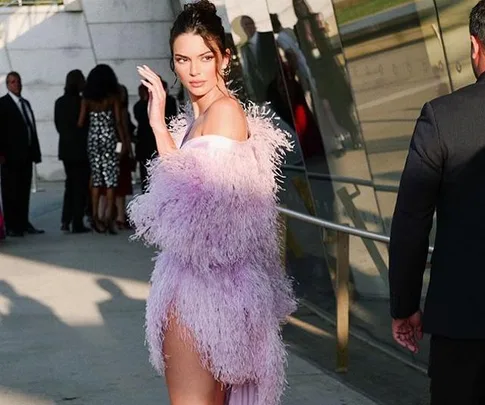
x=14, y=135
x=72, y=140
x=146, y=144
x=259, y=75
x=444, y=173
x=170, y=108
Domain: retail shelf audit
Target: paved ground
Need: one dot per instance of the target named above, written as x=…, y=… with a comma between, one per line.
x=71, y=323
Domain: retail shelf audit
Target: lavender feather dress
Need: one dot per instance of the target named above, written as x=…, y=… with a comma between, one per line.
x=211, y=210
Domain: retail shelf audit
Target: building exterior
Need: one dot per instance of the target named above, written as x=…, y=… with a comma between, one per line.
x=45, y=42
x=351, y=79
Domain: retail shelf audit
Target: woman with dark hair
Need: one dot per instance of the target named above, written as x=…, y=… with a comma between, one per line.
x=219, y=293
x=102, y=104
x=73, y=153
x=127, y=164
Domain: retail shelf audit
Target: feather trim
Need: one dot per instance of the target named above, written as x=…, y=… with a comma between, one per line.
x=213, y=213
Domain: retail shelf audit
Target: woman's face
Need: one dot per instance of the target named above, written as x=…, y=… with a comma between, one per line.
x=196, y=65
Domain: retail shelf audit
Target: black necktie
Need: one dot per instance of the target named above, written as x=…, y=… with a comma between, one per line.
x=26, y=115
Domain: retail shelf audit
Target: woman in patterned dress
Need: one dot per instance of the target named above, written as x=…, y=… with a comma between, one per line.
x=101, y=104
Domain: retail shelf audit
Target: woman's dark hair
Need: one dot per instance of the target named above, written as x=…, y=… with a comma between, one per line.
x=75, y=82
x=101, y=83
x=200, y=18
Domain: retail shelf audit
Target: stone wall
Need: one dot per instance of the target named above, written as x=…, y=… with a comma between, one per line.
x=43, y=43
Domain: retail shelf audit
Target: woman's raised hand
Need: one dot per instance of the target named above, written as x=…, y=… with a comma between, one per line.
x=156, y=98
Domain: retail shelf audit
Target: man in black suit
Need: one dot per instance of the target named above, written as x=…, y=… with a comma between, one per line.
x=20, y=145
x=170, y=104
x=260, y=59
x=146, y=146
x=73, y=153
x=445, y=172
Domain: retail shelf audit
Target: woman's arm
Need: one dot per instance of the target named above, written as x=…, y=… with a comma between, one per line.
x=82, y=113
x=120, y=126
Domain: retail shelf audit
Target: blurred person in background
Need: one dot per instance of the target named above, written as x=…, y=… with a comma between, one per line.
x=260, y=60
x=2, y=220
x=73, y=153
x=101, y=104
x=146, y=146
x=19, y=144
x=330, y=78
x=171, y=104
x=127, y=163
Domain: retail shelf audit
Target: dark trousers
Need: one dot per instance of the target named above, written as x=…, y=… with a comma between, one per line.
x=143, y=176
x=16, y=182
x=457, y=371
x=75, y=193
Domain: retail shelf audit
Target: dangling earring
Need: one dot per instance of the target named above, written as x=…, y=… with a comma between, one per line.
x=225, y=71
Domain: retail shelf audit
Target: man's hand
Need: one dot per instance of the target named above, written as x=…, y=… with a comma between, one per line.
x=407, y=332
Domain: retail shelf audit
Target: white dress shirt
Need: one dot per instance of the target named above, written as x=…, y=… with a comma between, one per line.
x=30, y=118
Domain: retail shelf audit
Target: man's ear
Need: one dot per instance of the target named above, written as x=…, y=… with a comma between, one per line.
x=475, y=47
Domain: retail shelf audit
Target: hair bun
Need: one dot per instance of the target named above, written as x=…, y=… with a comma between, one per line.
x=201, y=6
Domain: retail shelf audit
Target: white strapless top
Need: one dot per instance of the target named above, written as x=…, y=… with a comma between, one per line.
x=205, y=141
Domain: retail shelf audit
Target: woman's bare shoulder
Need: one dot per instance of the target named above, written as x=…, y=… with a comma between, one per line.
x=226, y=117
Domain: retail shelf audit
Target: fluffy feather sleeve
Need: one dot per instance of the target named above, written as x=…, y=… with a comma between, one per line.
x=214, y=200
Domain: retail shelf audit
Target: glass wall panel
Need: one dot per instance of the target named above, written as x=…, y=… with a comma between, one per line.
x=265, y=83
x=396, y=62
x=325, y=119
x=453, y=18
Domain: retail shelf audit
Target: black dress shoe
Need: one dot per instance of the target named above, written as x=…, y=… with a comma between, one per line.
x=14, y=234
x=82, y=229
x=33, y=231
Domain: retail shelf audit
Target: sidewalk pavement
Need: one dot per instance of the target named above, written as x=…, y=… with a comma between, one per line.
x=71, y=322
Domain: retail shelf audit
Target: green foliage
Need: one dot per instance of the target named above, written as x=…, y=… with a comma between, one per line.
x=350, y=10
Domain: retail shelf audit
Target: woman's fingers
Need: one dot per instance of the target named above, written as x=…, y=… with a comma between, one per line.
x=154, y=80
x=149, y=74
x=152, y=76
x=147, y=84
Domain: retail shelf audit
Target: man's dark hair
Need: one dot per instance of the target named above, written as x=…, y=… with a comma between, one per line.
x=477, y=21
x=16, y=74
x=142, y=91
x=74, y=82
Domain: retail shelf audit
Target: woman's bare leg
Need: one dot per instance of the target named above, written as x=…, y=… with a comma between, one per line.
x=120, y=203
x=188, y=383
x=95, y=201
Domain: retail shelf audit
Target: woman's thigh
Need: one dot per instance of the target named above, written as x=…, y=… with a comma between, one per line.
x=188, y=382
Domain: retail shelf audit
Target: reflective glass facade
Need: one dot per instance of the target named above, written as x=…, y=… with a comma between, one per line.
x=348, y=79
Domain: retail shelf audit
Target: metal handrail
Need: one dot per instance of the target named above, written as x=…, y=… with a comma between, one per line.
x=388, y=188
x=338, y=227
x=342, y=277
